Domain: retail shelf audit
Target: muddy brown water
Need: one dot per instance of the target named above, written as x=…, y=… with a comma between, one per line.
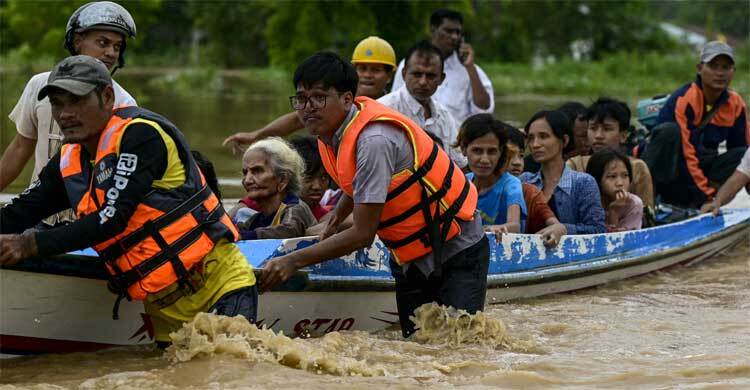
x=687, y=327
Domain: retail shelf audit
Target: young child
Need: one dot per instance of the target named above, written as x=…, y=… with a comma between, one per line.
x=315, y=181
x=612, y=170
x=483, y=139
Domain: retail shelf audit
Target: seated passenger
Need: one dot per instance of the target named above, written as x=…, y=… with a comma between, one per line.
x=740, y=178
x=315, y=182
x=608, y=126
x=572, y=196
x=576, y=113
x=612, y=170
x=683, y=150
x=540, y=218
x=272, y=176
x=483, y=141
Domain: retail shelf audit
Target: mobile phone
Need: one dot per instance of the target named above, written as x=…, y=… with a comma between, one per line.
x=461, y=54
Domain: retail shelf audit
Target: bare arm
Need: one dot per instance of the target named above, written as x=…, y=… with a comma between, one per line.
x=280, y=127
x=360, y=235
x=478, y=93
x=727, y=192
x=15, y=158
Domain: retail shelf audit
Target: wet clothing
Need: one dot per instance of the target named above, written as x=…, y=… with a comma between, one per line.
x=641, y=183
x=538, y=209
x=455, y=91
x=441, y=123
x=684, y=158
x=382, y=150
x=457, y=275
x=291, y=219
x=229, y=289
x=160, y=167
x=576, y=201
x=33, y=120
x=462, y=284
x=493, y=205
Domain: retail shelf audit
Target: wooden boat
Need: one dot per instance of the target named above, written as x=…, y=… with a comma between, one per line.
x=61, y=304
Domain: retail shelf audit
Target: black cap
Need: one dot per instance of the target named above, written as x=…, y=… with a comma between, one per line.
x=78, y=75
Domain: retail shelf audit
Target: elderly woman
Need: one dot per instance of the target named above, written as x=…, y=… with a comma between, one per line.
x=272, y=176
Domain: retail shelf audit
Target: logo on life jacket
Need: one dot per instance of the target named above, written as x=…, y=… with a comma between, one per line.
x=125, y=166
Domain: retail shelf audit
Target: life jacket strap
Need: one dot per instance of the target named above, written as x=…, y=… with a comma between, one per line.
x=417, y=175
x=114, y=251
x=121, y=281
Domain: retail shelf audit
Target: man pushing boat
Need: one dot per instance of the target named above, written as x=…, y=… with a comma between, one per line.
x=397, y=183
x=141, y=202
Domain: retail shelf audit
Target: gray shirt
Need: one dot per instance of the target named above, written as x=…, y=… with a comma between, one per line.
x=382, y=151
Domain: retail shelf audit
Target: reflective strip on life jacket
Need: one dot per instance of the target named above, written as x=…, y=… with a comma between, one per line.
x=170, y=231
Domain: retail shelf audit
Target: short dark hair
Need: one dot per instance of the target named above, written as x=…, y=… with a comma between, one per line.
x=608, y=107
x=209, y=173
x=437, y=17
x=307, y=147
x=560, y=124
x=330, y=70
x=573, y=110
x=479, y=125
x=599, y=160
x=516, y=137
x=425, y=48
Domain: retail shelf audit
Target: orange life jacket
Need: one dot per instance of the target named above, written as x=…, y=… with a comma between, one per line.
x=423, y=202
x=170, y=231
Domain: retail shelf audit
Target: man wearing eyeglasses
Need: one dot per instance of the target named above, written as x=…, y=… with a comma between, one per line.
x=398, y=184
x=683, y=153
x=466, y=90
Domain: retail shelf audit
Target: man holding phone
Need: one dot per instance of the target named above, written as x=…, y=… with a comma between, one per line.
x=466, y=90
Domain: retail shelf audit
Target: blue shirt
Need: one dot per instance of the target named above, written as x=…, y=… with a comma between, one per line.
x=493, y=204
x=578, y=204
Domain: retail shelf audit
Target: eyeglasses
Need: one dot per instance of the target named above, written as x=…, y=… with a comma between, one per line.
x=299, y=102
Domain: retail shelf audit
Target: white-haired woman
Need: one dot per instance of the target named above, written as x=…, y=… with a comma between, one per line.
x=272, y=175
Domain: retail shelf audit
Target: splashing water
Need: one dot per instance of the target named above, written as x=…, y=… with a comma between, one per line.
x=442, y=325
x=209, y=334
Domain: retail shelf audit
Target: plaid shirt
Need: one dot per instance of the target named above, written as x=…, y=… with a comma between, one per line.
x=577, y=201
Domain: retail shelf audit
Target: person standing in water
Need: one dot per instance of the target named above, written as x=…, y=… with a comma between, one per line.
x=386, y=165
x=141, y=201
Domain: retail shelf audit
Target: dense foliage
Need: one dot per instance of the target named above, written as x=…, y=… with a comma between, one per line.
x=258, y=33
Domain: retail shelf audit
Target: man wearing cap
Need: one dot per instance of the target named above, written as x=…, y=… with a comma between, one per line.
x=98, y=29
x=683, y=153
x=466, y=90
x=141, y=203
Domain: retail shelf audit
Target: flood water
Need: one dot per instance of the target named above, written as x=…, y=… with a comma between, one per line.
x=687, y=327
x=683, y=328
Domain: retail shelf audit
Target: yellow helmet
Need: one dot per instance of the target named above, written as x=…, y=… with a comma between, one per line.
x=374, y=50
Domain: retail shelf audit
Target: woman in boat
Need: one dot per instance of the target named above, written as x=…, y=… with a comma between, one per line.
x=613, y=172
x=272, y=176
x=572, y=196
x=540, y=218
x=315, y=181
x=483, y=140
